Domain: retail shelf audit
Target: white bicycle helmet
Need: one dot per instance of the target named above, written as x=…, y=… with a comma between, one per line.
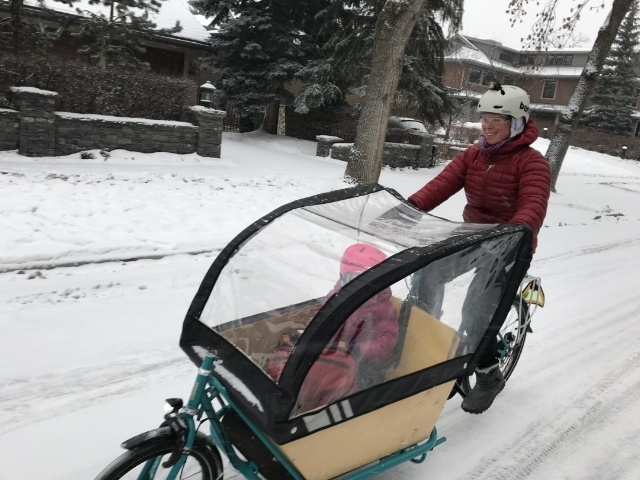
x=505, y=100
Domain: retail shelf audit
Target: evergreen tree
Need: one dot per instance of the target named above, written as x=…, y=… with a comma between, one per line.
x=326, y=43
x=261, y=45
x=17, y=34
x=116, y=37
x=346, y=37
x=421, y=79
x=616, y=92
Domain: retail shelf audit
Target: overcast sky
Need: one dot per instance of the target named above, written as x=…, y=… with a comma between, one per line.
x=488, y=19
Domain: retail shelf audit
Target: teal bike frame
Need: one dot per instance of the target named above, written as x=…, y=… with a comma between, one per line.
x=207, y=389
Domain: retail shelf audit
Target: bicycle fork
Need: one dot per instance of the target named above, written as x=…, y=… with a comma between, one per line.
x=181, y=420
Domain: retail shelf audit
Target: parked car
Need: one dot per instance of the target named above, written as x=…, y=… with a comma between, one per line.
x=406, y=123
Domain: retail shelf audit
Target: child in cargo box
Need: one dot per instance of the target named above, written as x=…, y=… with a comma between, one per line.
x=359, y=352
x=371, y=332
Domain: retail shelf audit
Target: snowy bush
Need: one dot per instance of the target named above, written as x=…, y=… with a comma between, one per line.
x=84, y=88
x=465, y=133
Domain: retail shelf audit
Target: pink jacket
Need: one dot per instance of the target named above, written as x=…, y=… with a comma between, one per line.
x=511, y=186
x=372, y=329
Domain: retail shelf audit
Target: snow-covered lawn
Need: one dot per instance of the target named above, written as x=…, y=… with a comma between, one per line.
x=89, y=340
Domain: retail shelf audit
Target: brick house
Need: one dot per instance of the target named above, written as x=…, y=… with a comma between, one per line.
x=175, y=54
x=549, y=76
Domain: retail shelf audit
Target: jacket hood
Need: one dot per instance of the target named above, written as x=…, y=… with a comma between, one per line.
x=525, y=139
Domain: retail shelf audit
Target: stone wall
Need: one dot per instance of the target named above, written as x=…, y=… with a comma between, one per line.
x=395, y=155
x=417, y=153
x=398, y=155
x=340, y=151
x=446, y=151
x=36, y=129
x=323, y=148
x=76, y=132
x=9, y=129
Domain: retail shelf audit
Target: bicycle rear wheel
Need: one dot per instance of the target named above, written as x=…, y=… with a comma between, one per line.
x=508, y=350
x=145, y=462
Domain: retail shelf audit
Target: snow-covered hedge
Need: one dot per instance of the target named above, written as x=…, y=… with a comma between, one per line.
x=84, y=88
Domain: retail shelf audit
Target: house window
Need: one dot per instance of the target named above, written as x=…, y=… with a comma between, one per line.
x=527, y=59
x=508, y=80
x=480, y=77
x=487, y=78
x=475, y=75
x=505, y=56
x=565, y=60
x=549, y=89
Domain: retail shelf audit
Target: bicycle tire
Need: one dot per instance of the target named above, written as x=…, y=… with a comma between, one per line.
x=508, y=365
x=203, y=455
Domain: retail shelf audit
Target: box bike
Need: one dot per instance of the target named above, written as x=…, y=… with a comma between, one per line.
x=452, y=286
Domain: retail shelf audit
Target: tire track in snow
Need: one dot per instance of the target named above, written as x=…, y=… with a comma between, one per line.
x=589, y=251
x=37, y=397
x=53, y=264
x=541, y=438
x=587, y=334
x=598, y=335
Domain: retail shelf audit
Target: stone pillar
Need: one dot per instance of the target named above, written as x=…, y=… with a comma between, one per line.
x=341, y=151
x=425, y=142
x=37, y=120
x=209, y=130
x=324, y=144
x=9, y=129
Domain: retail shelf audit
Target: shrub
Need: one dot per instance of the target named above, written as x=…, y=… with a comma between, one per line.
x=338, y=121
x=83, y=88
x=464, y=133
x=606, y=142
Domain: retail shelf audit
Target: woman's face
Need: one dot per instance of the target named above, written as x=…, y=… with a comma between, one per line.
x=495, y=128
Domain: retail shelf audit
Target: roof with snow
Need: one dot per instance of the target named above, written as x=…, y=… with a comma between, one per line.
x=170, y=12
x=471, y=53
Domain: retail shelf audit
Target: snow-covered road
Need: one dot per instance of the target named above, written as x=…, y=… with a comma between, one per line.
x=88, y=353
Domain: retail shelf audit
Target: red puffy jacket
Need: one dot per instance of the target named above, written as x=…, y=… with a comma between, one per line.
x=511, y=186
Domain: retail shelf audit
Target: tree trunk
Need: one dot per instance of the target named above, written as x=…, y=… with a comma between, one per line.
x=570, y=115
x=270, y=120
x=15, y=11
x=393, y=28
x=448, y=130
x=102, y=55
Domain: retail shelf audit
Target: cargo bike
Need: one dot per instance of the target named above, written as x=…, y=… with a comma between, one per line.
x=287, y=387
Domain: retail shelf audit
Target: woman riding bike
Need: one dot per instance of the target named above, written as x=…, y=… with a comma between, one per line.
x=505, y=180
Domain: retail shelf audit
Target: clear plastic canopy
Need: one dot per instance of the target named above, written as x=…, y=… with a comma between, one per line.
x=296, y=257
x=282, y=285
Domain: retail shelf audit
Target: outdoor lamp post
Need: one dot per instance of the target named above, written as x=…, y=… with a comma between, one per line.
x=545, y=130
x=206, y=94
x=623, y=153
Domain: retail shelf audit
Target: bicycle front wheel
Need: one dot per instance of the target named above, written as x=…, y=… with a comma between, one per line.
x=145, y=462
x=509, y=345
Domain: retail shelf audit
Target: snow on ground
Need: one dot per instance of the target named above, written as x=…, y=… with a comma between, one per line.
x=89, y=339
